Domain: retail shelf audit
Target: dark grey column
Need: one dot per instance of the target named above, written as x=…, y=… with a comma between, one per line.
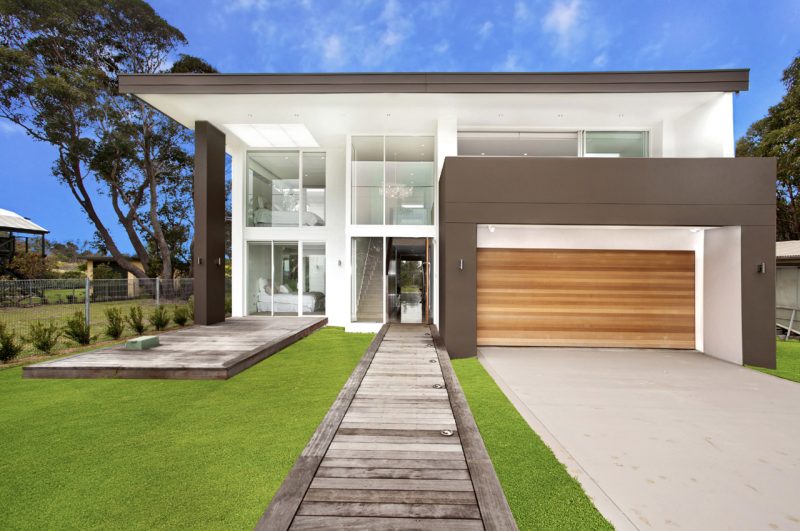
x=209, y=224
x=458, y=275
x=758, y=296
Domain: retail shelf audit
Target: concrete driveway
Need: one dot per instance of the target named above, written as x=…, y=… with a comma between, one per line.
x=663, y=439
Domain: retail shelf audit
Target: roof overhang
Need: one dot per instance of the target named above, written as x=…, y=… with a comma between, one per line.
x=730, y=80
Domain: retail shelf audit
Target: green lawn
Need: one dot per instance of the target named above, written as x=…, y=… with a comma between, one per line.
x=788, y=359
x=147, y=454
x=541, y=493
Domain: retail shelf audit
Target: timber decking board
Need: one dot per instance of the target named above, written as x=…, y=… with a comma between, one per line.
x=586, y=298
x=380, y=458
x=215, y=352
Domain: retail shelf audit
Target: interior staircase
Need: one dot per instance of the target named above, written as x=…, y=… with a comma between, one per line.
x=370, y=297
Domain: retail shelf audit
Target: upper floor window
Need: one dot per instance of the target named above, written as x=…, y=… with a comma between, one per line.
x=615, y=143
x=519, y=144
x=553, y=143
x=392, y=180
x=285, y=189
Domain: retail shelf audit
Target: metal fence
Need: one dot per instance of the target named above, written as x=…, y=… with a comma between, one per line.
x=23, y=302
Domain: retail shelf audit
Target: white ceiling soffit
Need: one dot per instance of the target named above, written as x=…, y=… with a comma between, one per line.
x=273, y=135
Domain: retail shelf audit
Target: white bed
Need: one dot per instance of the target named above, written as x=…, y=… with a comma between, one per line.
x=313, y=301
x=278, y=218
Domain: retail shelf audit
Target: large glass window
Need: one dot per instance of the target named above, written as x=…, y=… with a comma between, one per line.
x=615, y=144
x=367, y=177
x=392, y=180
x=313, y=200
x=274, y=272
x=518, y=144
x=367, y=288
x=313, y=278
x=409, y=180
x=259, y=278
x=285, y=278
x=274, y=185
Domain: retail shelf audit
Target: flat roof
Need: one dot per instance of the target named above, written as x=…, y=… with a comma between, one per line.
x=728, y=80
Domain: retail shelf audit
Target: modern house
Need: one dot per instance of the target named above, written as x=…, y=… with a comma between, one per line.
x=555, y=209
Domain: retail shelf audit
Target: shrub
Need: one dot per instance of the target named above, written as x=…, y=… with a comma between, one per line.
x=115, y=325
x=159, y=318
x=9, y=348
x=135, y=319
x=78, y=330
x=191, y=307
x=180, y=315
x=44, y=336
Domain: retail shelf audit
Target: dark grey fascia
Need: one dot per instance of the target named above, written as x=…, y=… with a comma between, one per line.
x=732, y=80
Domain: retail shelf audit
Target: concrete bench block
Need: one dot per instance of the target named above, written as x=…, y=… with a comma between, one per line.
x=142, y=343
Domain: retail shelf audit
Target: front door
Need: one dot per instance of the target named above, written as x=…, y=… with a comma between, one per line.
x=408, y=262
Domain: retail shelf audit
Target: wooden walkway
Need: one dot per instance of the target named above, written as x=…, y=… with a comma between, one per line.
x=398, y=450
x=215, y=352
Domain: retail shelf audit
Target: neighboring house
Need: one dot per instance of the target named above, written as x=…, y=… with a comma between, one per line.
x=566, y=209
x=14, y=227
x=787, y=283
x=94, y=260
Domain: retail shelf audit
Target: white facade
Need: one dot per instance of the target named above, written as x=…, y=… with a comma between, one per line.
x=677, y=125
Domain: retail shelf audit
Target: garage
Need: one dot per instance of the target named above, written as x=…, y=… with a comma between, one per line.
x=586, y=298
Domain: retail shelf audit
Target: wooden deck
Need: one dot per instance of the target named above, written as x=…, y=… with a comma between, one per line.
x=398, y=450
x=215, y=352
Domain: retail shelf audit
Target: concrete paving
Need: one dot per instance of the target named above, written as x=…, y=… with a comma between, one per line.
x=663, y=439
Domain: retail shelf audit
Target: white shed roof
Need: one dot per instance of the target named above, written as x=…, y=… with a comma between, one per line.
x=790, y=249
x=13, y=222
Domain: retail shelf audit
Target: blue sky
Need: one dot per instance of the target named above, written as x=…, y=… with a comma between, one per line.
x=443, y=35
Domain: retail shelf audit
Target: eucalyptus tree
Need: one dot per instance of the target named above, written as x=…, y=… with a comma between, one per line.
x=59, y=66
x=778, y=135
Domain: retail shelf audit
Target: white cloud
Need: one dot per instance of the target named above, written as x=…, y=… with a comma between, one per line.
x=521, y=12
x=332, y=50
x=600, y=60
x=244, y=5
x=563, y=20
x=398, y=24
x=511, y=63
x=486, y=29
x=442, y=47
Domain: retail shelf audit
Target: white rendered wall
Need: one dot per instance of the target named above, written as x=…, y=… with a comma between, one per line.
x=705, y=131
x=616, y=238
x=446, y=146
x=238, y=260
x=723, y=287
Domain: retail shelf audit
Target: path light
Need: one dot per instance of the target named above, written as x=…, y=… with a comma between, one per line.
x=438, y=386
x=447, y=433
x=432, y=361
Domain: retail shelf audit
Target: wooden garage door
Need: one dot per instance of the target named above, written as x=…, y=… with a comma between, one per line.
x=587, y=298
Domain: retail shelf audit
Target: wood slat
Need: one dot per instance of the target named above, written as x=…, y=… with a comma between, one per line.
x=586, y=298
x=391, y=496
x=392, y=510
x=391, y=473
x=302, y=523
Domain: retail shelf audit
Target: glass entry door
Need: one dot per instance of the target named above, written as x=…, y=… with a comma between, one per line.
x=409, y=291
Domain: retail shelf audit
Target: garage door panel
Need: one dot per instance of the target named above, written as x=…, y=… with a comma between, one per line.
x=586, y=298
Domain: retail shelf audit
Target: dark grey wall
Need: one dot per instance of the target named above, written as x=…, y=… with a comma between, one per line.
x=587, y=191
x=209, y=224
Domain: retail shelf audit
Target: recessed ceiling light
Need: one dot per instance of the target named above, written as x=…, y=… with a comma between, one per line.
x=525, y=154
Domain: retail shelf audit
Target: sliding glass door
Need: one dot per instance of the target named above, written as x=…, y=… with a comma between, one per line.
x=274, y=273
